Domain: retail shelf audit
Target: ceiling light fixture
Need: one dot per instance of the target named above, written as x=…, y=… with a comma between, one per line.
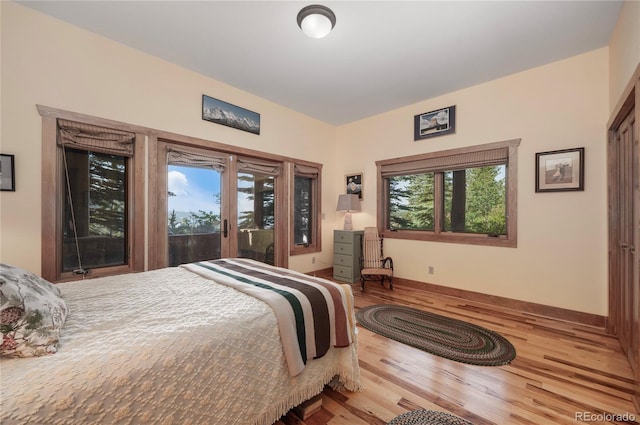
x=316, y=20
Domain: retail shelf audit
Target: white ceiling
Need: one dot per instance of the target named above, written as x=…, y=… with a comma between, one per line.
x=381, y=55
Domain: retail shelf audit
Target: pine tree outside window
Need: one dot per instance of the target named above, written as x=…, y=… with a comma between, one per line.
x=305, y=208
x=465, y=195
x=93, y=191
x=95, y=213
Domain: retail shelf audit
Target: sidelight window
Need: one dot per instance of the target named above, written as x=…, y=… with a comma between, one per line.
x=305, y=209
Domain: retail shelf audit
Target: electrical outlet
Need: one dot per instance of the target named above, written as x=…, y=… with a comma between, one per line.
x=431, y=270
x=313, y=260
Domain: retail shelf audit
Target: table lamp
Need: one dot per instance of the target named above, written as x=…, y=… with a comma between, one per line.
x=348, y=203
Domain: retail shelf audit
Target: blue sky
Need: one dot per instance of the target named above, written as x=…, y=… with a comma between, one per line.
x=195, y=189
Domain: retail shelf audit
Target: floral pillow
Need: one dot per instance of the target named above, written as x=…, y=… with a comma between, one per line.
x=31, y=313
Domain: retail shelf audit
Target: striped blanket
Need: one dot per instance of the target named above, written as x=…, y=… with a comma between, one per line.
x=313, y=314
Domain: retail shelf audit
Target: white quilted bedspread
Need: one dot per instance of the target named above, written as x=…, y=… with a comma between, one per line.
x=164, y=347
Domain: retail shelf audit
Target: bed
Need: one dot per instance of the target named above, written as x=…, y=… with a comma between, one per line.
x=178, y=345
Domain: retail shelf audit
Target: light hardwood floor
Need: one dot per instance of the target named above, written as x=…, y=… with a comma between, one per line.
x=563, y=373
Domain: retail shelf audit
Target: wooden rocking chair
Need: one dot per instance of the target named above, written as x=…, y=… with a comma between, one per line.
x=374, y=265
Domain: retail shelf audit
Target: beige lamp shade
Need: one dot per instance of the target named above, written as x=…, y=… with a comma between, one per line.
x=348, y=203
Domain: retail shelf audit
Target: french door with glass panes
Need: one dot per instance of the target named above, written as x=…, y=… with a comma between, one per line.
x=217, y=205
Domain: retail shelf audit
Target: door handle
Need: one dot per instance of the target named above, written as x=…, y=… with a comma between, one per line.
x=225, y=230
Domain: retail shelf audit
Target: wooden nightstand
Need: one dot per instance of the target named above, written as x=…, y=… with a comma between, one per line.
x=347, y=246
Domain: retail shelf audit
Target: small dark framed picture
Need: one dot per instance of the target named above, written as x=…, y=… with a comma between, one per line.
x=7, y=173
x=434, y=123
x=354, y=184
x=220, y=112
x=559, y=171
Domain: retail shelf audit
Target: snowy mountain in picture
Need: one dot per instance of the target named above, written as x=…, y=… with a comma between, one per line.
x=220, y=115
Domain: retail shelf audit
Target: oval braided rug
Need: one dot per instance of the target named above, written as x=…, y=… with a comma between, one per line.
x=443, y=336
x=428, y=417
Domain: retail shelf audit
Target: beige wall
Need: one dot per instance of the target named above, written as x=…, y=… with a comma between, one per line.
x=562, y=247
x=561, y=254
x=48, y=62
x=624, y=50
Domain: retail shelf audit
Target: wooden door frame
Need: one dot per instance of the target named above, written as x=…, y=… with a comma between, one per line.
x=158, y=184
x=630, y=100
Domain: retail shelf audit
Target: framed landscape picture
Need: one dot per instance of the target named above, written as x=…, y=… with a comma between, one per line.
x=559, y=171
x=224, y=113
x=434, y=123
